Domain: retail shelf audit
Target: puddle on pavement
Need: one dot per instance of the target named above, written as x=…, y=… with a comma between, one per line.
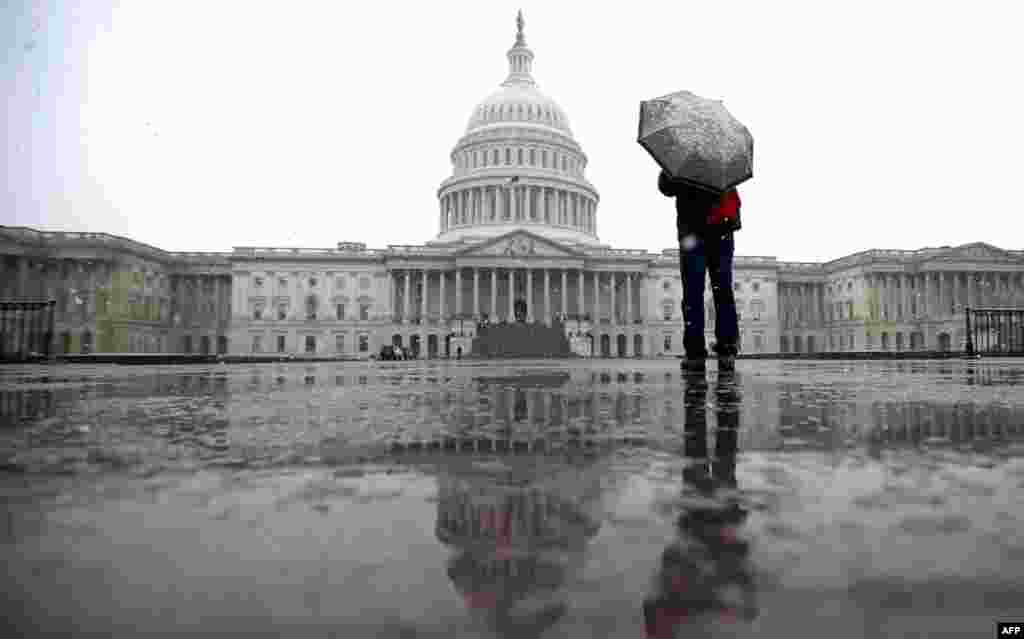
x=598, y=498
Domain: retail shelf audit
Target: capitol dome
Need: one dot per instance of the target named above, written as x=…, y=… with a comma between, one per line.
x=517, y=166
x=520, y=104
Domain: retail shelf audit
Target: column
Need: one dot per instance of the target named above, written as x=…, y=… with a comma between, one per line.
x=476, y=293
x=499, y=207
x=528, y=195
x=529, y=295
x=580, y=304
x=493, y=310
x=458, y=292
x=22, y=290
x=939, y=297
x=970, y=289
x=597, y=295
x=441, y=305
x=908, y=294
x=926, y=300
x=547, y=297
x=406, y=308
x=565, y=292
x=629, y=299
x=612, y=282
x=423, y=299
x=545, y=210
x=511, y=295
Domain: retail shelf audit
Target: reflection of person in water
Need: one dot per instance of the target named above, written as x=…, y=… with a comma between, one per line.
x=706, y=571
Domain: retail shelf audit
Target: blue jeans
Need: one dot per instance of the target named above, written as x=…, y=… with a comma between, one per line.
x=715, y=255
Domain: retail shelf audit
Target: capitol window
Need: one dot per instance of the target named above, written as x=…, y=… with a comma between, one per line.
x=508, y=156
x=364, y=312
x=339, y=311
x=364, y=343
x=258, y=282
x=756, y=286
x=520, y=157
x=533, y=157
x=282, y=282
x=666, y=310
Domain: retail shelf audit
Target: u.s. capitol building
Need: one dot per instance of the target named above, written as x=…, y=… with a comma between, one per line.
x=517, y=222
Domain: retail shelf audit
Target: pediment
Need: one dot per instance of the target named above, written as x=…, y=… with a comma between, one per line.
x=518, y=244
x=978, y=251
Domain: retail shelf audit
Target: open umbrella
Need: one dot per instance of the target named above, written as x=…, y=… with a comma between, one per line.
x=696, y=140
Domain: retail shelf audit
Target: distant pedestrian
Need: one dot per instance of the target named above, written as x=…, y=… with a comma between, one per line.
x=705, y=223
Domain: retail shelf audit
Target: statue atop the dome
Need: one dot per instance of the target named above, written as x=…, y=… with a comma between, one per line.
x=519, y=28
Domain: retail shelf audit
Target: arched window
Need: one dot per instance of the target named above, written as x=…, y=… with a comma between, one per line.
x=494, y=158
x=508, y=156
x=520, y=157
x=544, y=159
x=311, y=307
x=533, y=157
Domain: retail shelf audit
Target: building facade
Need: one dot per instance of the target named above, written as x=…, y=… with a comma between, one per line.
x=517, y=222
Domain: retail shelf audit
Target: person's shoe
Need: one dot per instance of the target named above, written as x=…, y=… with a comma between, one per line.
x=691, y=366
x=726, y=364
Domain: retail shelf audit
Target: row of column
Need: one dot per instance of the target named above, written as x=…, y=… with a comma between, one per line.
x=903, y=295
x=190, y=297
x=940, y=294
x=802, y=302
x=499, y=204
x=404, y=311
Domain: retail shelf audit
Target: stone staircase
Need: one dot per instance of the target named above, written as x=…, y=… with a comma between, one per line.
x=521, y=339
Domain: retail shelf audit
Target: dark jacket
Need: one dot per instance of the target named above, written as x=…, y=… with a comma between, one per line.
x=692, y=207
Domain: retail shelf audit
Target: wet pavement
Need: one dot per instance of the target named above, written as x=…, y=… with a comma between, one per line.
x=513, y=499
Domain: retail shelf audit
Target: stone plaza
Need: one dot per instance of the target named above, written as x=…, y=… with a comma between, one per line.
x=469, y=499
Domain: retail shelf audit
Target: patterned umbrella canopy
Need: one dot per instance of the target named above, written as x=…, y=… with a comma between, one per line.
x=697, y=140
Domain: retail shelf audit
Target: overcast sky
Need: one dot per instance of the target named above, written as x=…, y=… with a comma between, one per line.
x=212, y=124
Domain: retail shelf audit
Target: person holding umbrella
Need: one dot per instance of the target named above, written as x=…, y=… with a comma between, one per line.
x=704, y=153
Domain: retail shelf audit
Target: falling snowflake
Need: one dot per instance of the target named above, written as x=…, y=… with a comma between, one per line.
x=689, y=242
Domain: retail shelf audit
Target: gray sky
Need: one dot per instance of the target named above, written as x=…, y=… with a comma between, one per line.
x=211, y=124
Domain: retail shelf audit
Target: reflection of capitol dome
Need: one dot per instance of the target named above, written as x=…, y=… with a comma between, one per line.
x=518, y=166
x=516, y=538
x=507, y=518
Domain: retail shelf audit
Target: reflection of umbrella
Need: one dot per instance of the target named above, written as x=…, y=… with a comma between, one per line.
x=696, y=140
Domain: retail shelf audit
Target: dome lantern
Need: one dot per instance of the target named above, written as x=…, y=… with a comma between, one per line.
x=520, y=59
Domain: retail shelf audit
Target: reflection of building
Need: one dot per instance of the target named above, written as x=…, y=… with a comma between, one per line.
x=517, y=222
x=517, y=539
